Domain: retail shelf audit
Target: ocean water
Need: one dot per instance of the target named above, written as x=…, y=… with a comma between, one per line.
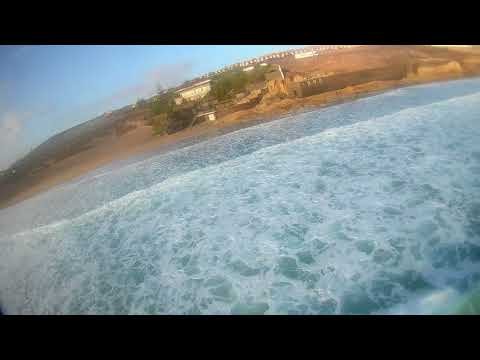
x=369, y=207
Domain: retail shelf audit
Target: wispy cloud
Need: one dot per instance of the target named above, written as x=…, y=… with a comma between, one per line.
x=3, y=92
x=21, y=50
x=163, y=76
x=15, y=51
x=168, y=75
x=11, y=142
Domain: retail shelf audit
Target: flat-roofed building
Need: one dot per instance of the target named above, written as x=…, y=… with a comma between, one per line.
x=305, y=54
x=454, y=46
x=207, y=115
x=193, y=92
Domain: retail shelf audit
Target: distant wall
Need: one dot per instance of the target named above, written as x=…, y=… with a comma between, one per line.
x=450, y=67
x=339, y=81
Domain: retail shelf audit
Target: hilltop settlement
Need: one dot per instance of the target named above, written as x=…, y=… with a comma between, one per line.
x=239, y=95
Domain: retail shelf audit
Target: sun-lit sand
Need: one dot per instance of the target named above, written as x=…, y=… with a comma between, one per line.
x=141, y=141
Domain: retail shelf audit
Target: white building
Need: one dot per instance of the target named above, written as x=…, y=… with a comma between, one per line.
x=454, y=46
x=305, y=54
x=209, y=115
x=250, y=68
x=193, y=92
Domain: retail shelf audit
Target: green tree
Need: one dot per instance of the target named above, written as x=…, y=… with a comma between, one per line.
x=163, y=104
x=226, y=84
x=160, y=124
x=141, y=102
x=258, y=73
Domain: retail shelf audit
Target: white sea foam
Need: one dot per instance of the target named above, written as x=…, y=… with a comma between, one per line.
x=351, y=214
x=438, y=302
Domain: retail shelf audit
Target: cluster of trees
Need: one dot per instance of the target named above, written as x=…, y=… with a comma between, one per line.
x=141, y=102
x=172, y=122
x=164, y=104
x=226, y=84
x=167, y=117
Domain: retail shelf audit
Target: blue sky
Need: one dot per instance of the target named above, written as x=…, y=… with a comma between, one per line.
x=47, y=89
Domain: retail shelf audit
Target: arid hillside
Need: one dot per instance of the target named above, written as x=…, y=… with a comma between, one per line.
x=368, y=57
x=348, y=73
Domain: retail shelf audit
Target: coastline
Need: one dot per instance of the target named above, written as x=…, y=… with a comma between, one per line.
x=140, y=144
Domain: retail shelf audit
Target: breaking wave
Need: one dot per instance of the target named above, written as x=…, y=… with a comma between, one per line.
x=366, y=207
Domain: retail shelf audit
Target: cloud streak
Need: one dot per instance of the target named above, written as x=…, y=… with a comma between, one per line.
x=11, y=142
x=163, y=76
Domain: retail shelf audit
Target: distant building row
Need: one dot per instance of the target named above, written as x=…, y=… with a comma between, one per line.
x=201, y=86
x=297, y=53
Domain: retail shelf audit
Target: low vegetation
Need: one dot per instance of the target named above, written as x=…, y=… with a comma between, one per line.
x=141, y=102
x=162, y=108
x=226, y=84
x=160, y=124
x=163, y=104
x=167, y=117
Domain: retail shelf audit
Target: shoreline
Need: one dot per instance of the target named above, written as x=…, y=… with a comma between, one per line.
x=123, y=150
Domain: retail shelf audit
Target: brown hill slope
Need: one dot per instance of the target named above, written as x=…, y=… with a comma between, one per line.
x=123, y=133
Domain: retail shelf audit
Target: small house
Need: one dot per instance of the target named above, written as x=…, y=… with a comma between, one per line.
x=193, y=92
x=305, y=54
x=208, y=115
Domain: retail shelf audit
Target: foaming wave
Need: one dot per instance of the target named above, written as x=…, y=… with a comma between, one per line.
x=358, y=217
x=104, y=185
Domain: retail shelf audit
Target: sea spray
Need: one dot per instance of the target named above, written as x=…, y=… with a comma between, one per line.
x=366, y=215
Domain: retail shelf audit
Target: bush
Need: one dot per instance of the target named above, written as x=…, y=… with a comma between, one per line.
x=141, y=102
x=258, y=73
x=163, y=104
x=180, y=119
x=173, y=121
x=228, y=83
x=160, y=124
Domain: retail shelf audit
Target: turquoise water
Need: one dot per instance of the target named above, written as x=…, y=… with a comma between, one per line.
x=361, y=208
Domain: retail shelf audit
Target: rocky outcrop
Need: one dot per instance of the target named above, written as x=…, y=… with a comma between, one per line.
x=471, y=65
x=277, y=87
x=251, y=97
x=339, y=81
x=451, y=67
